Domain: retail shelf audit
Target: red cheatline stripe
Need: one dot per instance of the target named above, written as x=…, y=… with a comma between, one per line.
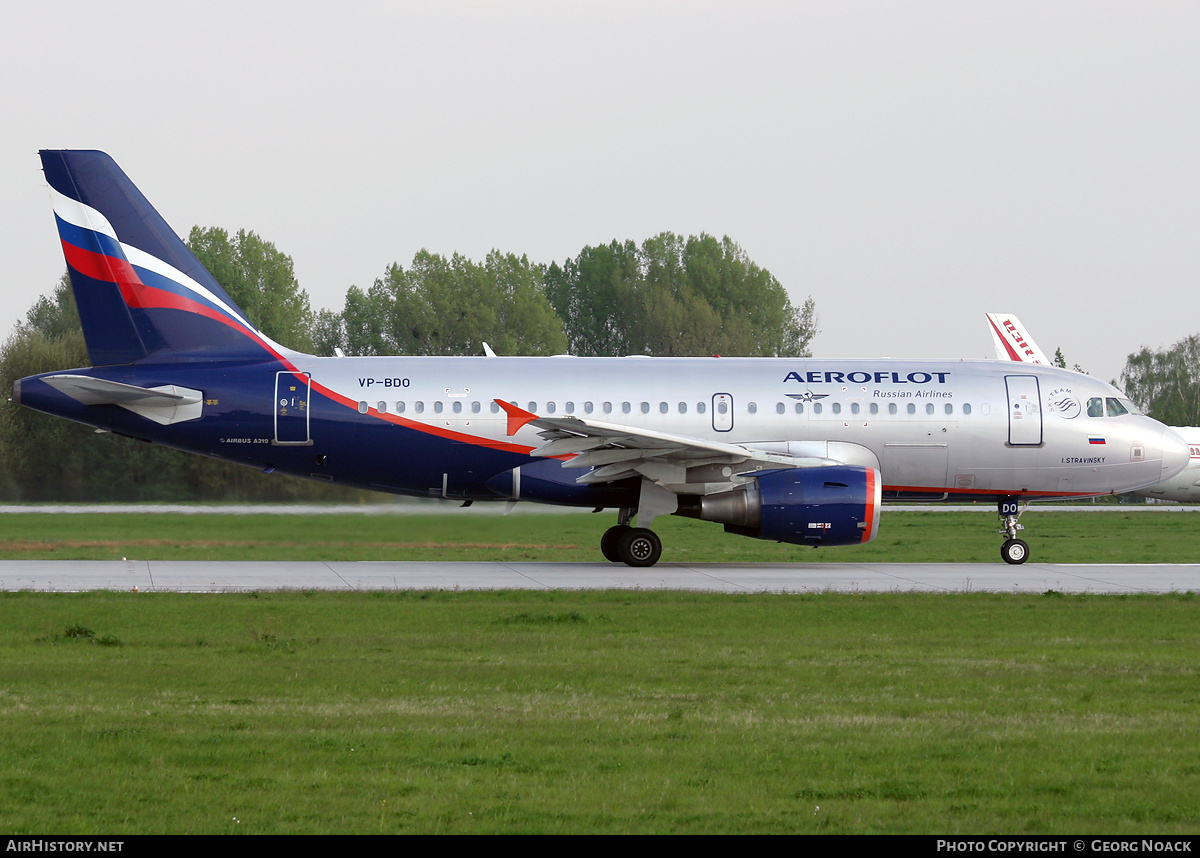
x=137, y=294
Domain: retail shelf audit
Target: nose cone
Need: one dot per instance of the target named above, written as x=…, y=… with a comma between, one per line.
x=1175, y=453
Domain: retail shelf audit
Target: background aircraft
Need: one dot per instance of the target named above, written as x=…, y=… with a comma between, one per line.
x=793, y=450
x=1014, y=343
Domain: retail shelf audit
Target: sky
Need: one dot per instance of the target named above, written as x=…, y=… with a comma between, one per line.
x=910, y=165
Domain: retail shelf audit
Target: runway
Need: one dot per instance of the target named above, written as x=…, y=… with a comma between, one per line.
x=231, y=577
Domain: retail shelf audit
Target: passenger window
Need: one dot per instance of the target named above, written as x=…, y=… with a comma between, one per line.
x=457, y=407
x=437, y=407
x=751, y=407
x=495, y=407
x=474, y=407
x=663, y=408
x=874, y=407
x=799, y=407
x=570, y=407
x=817, y=408
x=779, y=408
x=700, y=408
x=949, y=408
x=891, y=408
x=608, y=408
x=683, y=408
x=625, y=408
x=587, y=408
x=381, y=408
x=967, y=408
x=912, y=409
x=837, y=408
x=645, y=407
x=854, y=408
x=399, y=407
x=929, y=408
x=549, y=408
x=362, y=407
x=420, y=407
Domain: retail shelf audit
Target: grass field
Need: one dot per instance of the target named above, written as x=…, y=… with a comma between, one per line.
x=407, y=712
x=969, y=537
x=598, y=712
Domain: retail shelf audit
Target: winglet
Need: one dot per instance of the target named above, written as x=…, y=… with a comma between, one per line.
x=517, y=417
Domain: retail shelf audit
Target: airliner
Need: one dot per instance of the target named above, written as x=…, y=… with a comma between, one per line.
x=1013, y=342
x=793, y=450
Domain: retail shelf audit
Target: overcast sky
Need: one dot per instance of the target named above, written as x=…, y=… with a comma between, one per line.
x=909, y=165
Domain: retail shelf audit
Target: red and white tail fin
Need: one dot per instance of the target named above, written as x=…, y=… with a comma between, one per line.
x=1013, y=341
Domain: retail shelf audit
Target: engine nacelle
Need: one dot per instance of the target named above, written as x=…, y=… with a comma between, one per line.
x=835, y=505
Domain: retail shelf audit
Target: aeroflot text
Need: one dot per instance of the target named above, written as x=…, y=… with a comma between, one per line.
x=859, y=377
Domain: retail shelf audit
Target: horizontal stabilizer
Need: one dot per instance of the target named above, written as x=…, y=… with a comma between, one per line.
x=164, y=405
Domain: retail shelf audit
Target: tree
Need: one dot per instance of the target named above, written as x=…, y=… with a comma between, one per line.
x=676, y=296
x=260, y=280
x=1166, y=383
x=441, y=306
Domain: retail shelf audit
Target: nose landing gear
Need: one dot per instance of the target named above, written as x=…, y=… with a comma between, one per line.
x=1013, y=550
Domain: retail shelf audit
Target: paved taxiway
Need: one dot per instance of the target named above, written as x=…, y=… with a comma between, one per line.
x=223, y=577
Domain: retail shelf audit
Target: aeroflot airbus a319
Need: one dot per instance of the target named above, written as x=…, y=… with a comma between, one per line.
x=786, y=449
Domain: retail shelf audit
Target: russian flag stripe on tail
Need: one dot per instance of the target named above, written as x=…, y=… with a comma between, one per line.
x=140, y=290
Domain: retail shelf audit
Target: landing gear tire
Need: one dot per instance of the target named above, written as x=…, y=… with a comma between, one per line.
x=639, y=547
x=610, y=543
x=1014, y=551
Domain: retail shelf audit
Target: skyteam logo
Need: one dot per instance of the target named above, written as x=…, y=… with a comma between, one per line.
x=1062, y=401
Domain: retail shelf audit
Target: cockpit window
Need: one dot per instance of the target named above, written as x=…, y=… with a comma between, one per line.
x=1111, y=406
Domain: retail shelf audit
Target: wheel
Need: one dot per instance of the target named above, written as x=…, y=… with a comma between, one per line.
x=639, y=547
x=610, y=542
x=1014, y=551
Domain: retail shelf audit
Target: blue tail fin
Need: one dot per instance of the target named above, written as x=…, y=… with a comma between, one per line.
x=142, y=295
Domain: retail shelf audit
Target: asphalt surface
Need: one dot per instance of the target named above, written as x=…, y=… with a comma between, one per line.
x=224, y=577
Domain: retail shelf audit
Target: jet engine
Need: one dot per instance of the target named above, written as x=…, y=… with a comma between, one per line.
x=832, y=505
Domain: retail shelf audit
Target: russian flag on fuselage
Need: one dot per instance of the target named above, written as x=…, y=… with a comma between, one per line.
x=140, y=290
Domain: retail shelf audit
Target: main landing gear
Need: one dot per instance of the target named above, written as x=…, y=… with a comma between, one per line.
x=633, y=546
x=1013, y=550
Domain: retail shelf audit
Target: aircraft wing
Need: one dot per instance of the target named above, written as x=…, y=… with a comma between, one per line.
x=164, y=405
x=617, y=452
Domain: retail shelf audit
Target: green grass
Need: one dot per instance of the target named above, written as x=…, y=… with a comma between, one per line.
x=603, y=712
x=598, y=712
x=1054, y=537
